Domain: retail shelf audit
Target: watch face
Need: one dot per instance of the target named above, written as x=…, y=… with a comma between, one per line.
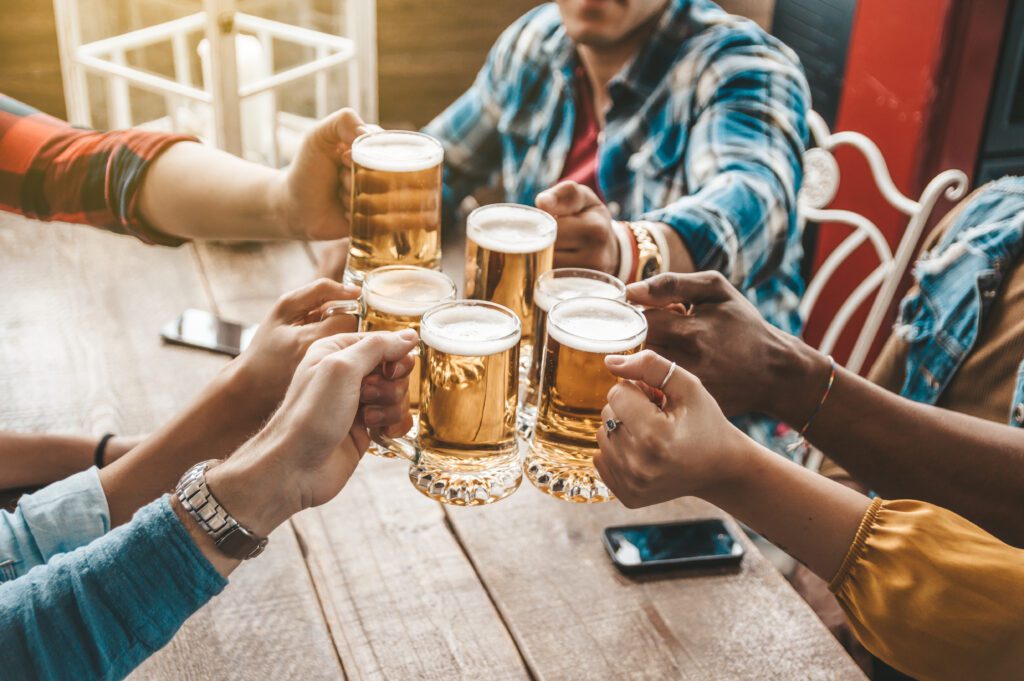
x=649, y=269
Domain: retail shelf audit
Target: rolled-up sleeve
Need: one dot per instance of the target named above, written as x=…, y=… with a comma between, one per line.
x=743, y=161
x=56, y=519
x=50, y=170
x=101, y=610
x=934, y=595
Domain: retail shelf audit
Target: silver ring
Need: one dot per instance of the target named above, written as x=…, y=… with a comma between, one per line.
x=611, y=424
x=664, y=381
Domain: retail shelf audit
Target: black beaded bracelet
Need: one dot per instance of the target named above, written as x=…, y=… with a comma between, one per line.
x=101, y=450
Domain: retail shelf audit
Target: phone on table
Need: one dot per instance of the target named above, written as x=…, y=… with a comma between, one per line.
x=665, y=546
x=202, y=329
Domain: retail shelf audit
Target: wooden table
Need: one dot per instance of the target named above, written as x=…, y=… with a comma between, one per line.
x=380, y=583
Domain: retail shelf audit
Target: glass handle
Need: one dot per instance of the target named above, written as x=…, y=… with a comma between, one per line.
x=403, y=446
x=343, y=307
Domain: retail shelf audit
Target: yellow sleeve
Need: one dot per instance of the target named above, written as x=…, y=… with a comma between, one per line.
x=934, y=595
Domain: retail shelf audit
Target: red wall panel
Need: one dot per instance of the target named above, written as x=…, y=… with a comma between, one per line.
x=894, y=66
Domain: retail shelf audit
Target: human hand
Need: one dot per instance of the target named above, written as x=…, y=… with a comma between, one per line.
x=686, y=447
x=266, y=367
x=315, y=188
x=310, y=447
x=585, y=236
x=701, y=322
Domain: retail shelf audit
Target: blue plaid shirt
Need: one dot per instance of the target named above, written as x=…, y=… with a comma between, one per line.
x=705, y=133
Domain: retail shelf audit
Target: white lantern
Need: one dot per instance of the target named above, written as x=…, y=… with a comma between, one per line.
x=248, y=62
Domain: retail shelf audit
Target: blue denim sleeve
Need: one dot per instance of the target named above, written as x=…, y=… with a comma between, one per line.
x=56, y=519
x=743, y=162
x=99, y=611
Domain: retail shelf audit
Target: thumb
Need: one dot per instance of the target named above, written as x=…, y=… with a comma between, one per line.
x=372, y=350
x=667, y=288
x=567, y=198
x=651, y=369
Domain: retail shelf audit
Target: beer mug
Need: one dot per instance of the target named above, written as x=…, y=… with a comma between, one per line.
x=574, y=387
x=507, y=247
x=395, y=298
x=396, y=202
x=466, y=452
x=552, y=287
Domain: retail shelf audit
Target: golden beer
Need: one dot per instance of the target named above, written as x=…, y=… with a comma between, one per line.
x=553, y=287
x=508, y=247
x=466, y=452
x=395, y=298
x=573, y=390
x=396, y=202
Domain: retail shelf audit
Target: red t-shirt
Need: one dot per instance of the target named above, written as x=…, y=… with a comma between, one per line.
x=581, y=162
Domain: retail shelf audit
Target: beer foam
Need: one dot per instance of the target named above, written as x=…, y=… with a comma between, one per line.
x=597, y=325
x=510, y=228
x=557, y=289
x=397, y=151
x=406, y=291
x=472, y=330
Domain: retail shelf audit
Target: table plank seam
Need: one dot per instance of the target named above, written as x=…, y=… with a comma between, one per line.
x=520, y=648
x=303, y=550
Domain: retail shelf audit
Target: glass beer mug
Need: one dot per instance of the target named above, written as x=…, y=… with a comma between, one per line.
x=574, y=386
x=395, y=298
x=396, y=202
x=466, y=452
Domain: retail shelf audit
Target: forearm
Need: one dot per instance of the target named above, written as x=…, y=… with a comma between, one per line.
x=903, y=449
x=34, y=460
x=102, y=609
x=195, y=192
x=213, y=426
x=810, y=517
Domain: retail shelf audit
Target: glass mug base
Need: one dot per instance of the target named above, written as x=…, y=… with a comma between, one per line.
x=565, y=477
x=451, y=480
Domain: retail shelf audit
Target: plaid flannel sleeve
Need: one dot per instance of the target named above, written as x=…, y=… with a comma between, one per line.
x=468, y=128
x=50, y=170
x=743, y=163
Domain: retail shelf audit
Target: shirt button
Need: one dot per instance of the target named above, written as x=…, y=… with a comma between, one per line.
x=613, y=208
x=1018, y=413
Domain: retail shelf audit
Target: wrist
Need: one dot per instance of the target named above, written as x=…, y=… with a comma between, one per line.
x=280, y=211
x=799, y=377
x=736, y=464
x=254, y=491
x=242, y=385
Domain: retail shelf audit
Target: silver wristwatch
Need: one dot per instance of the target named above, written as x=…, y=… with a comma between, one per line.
x=231, y=538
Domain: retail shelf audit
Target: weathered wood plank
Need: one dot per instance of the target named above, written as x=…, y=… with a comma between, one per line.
x=575, y=616
x=80, y=351
x=401, y=599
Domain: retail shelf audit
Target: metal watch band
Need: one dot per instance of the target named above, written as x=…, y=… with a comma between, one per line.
x=649, y=262
x=231, y=538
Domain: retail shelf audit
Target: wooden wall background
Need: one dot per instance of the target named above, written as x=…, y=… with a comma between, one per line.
x=428, y=51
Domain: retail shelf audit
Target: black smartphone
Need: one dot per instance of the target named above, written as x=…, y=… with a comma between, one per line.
x=201, y=329
x=665, y=546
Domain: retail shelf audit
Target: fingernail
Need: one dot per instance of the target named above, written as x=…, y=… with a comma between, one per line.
x=615, y=360
x=371, y=392
x=372, y=417
x=408, y=334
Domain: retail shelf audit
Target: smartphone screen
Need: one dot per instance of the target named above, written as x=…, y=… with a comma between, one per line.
x=201, y=329
x=691, y=543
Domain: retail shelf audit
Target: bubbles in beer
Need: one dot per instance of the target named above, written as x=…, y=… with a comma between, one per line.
x=596, y=325
x=471, y=330
x=395, y=151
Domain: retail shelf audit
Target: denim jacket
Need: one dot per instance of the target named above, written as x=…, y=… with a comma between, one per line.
x=957, y=281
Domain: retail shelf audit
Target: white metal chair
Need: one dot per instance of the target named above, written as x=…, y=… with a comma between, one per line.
x=821, y=181
x=227, y=87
